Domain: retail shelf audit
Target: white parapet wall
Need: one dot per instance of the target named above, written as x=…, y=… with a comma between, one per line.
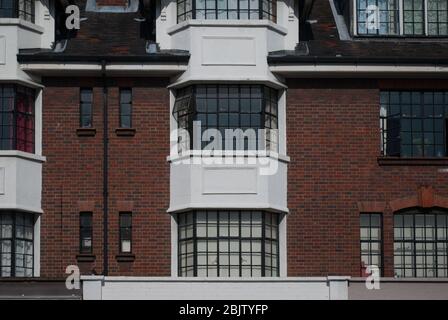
x=400, y=289
x=171, y=288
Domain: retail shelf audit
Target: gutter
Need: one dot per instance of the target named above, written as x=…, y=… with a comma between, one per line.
x=292, y=59
x=155, y=58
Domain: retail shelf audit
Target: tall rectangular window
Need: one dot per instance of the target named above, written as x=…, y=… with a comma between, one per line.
x=421, y=243
x=125, y=232
x=371, y=241
x=413, y=123
x=85, y=108
x=17, y=116
x=85, y=232
x=125, y=108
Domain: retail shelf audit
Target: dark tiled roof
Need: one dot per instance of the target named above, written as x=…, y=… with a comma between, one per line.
x=116, y=36
x=322, y=43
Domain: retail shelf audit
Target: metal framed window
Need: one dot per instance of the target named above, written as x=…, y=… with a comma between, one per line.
x=224, y=107
x=437, y=17
x=125, y=232
x=403, y=17
x=226, y=9
x=371, y=237
x=22, y=9
x=228, y=243
x=85, y=233
x=125, y=108
x=413, y=17
x=17, y=118
x=421, y=243
x=413, y=124
x=85, y=108
x=388, y=11
x=16, y=244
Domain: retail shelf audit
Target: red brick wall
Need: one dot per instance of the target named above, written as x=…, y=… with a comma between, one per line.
x=334, y=141
x=138, y=177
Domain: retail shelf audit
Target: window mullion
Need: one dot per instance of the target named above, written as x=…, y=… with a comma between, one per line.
x=195, y=246
x=13, y=246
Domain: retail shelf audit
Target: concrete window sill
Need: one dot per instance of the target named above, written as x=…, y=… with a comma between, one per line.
x=85, y=257
x=125, y=132
x=86, y=132
x=125, y=257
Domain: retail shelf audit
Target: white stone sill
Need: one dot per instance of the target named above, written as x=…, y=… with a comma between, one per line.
x=236, y=154
x=22, y=155
x=212, y=279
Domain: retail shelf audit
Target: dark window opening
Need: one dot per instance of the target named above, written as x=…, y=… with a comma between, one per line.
x=85, y=233
x=85, y=108
x=125, y=108
x=16, y=245
x=228, y=243
x=125, y=232
x=413, y=123
x=17, y=118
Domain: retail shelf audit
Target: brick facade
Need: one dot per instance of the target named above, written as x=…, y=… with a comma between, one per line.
x=334, y=142
x=138, y=177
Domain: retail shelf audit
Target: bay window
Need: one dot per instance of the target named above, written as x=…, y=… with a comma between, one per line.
x=226, y=9
x=250, y=108
x=17, y=118
x=16, y=244
x=402, y=17
x=228, y=243
x=22, y=9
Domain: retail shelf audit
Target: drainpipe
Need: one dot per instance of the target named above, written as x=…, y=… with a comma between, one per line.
x=105, y=171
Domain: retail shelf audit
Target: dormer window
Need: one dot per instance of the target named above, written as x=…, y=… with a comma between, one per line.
x=401, y=17
x=226, y=10
x=22, y=9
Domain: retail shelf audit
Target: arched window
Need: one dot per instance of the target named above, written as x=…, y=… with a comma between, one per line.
x=421, y=243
